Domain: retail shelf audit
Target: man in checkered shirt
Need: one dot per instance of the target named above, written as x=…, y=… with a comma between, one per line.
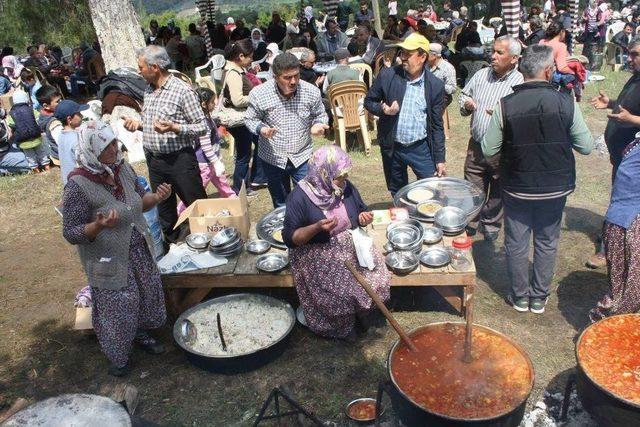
x=285, y=112
x=172, y=120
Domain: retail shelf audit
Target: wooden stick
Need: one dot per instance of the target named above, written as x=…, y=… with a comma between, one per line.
x=376, y=299
x=224, y=345
x=467, y=337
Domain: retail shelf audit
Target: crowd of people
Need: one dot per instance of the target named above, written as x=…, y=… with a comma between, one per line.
x=526, y=167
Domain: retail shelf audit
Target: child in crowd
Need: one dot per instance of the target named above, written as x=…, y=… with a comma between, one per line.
x=208, y=151
x=26, y=133
x=51, y=128
x=30, y=85
x=5, y=82
x=68, y=112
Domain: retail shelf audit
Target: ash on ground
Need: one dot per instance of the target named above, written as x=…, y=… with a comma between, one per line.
x=547, y=413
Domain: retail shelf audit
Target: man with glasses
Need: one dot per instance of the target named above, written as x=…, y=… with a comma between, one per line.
x=409, y=100
x=478, y=99
x=285, y=113
x=623, y=124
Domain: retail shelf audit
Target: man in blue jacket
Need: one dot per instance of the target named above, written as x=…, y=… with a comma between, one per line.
x=409, y=100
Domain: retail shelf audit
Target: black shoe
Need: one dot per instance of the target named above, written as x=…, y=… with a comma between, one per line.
x=148, y=343
x=471, y=231
x=258, y=185
x=491, y=236
x=116, y=371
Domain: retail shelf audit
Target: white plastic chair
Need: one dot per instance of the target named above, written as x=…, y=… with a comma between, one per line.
x=614, y=29
x=216, y=63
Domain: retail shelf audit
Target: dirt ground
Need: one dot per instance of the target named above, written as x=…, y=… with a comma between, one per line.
x=41, y=356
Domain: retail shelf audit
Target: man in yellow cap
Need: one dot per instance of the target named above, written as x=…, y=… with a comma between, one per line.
x=409, y=100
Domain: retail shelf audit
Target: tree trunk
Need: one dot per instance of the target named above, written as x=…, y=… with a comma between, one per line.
x=118, y=31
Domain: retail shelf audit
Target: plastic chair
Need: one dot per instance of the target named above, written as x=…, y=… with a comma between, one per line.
x=207, y=82
x=182, y=76
x=613, y=29
x=366, y=73
x=378, y=62
x=611, y=55
x=348, y=115
x=216, y=63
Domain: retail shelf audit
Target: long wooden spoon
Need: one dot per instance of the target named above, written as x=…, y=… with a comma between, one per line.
x=376, y=299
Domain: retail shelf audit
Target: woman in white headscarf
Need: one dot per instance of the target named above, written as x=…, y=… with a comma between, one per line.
x=259, y=47
x=103, y=205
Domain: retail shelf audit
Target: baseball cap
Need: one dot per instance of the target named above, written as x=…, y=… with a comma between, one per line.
x=341, y=54
x=435, y=48
x=68, y=108
x=415, y=41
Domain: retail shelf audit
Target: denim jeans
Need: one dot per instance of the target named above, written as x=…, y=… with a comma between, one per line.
x=74, y=79
x=241, y=173
x=416, y=156
x=14, y=161
x=279, y=180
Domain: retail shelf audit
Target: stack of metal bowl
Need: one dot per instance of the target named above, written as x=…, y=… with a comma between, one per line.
x=451, y=220
x=227, y=242
x=405, y=235
x=198, y=241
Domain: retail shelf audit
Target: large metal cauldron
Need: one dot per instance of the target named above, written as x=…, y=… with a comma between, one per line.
x=607, y=408
x=412, y=414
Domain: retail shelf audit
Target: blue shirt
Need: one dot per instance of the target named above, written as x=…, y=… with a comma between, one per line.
x=624, y=207
x=5, y=85
x=412, y=120
x=67, y=153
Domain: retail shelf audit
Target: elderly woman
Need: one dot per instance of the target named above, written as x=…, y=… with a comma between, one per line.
x=103, y=205
x=622, y=240
x=320, y=212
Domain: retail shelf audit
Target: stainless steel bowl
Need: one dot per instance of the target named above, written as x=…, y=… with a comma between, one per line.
x=405, y=237
x=401, y=262
x=272, y=263
x=198, y=241
x=435, y=257
x=362, y=399
x=432, y=235
x=224, y=237
x=258, y=247
x=450, y=219
x=407, y=222
x=232, y=250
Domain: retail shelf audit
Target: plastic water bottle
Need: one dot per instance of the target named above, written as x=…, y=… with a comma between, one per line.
x=153, y=222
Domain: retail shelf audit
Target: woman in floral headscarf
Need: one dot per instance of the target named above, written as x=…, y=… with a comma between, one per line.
x=320, y=212
x=102, y=206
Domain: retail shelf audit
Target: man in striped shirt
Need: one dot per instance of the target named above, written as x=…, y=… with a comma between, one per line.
x=478, y=99
x=535, y=129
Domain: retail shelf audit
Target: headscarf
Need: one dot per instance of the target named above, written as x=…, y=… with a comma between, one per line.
x=308, y=13
x=326, y=164
x=95, y=136
x=275, y=51
x=254, y=41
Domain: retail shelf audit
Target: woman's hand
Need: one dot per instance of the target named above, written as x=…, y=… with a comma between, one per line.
x=109, y=221
x=365, y=218
x=327, y=224
x=163, y=192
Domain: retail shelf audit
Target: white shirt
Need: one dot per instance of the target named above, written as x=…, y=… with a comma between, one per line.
x=393, y=7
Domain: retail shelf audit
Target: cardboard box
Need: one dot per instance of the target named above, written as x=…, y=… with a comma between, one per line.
x=6, y=101
x=202, y=215
x=83, y=318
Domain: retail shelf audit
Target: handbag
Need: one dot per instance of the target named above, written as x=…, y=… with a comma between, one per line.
x=226, y=116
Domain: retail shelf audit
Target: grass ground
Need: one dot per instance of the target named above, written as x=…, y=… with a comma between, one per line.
x=40, y=274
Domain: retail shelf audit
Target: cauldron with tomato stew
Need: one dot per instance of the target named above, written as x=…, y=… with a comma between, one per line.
x=435, y=387
x=608, y=373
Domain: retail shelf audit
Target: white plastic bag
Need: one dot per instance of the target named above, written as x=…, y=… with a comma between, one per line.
x=363, y=244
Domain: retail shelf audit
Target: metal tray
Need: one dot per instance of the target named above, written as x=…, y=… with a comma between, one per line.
x=270, y=223
x=272, y=263
x=449, y=191
x=435, y=257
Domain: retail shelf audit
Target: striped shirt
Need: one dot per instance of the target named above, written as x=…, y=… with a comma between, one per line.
x=486, y=90
x=177, y=102
x=291, y=117
x=412, y=119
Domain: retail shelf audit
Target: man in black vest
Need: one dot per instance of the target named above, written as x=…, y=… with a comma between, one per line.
x=535, y=129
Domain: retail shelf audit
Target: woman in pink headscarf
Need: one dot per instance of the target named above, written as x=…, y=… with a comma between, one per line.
x=320, y=212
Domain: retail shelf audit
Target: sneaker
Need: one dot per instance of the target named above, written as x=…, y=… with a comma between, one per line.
x=148, y=343
x=597, y=261
x=537, y=305
x=520, y=304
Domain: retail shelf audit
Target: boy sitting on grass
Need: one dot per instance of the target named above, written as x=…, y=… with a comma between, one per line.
x=68, y=112
x=26, y=133
x=51, y=128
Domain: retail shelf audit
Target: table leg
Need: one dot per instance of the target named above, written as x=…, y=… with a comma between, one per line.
x=193, y=297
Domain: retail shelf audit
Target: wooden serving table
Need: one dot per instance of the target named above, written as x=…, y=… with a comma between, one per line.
x=184, y=290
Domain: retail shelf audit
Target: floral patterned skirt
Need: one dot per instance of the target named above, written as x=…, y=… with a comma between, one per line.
x=622, y=249
x=329, y=294
x=118, y=314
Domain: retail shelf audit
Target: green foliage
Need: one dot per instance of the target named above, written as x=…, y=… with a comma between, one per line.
x=55, y=22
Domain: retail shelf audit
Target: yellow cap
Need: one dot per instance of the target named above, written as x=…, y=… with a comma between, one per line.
x=415, y=41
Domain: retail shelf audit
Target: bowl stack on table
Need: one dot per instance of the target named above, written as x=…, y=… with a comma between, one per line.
x=227, y=242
